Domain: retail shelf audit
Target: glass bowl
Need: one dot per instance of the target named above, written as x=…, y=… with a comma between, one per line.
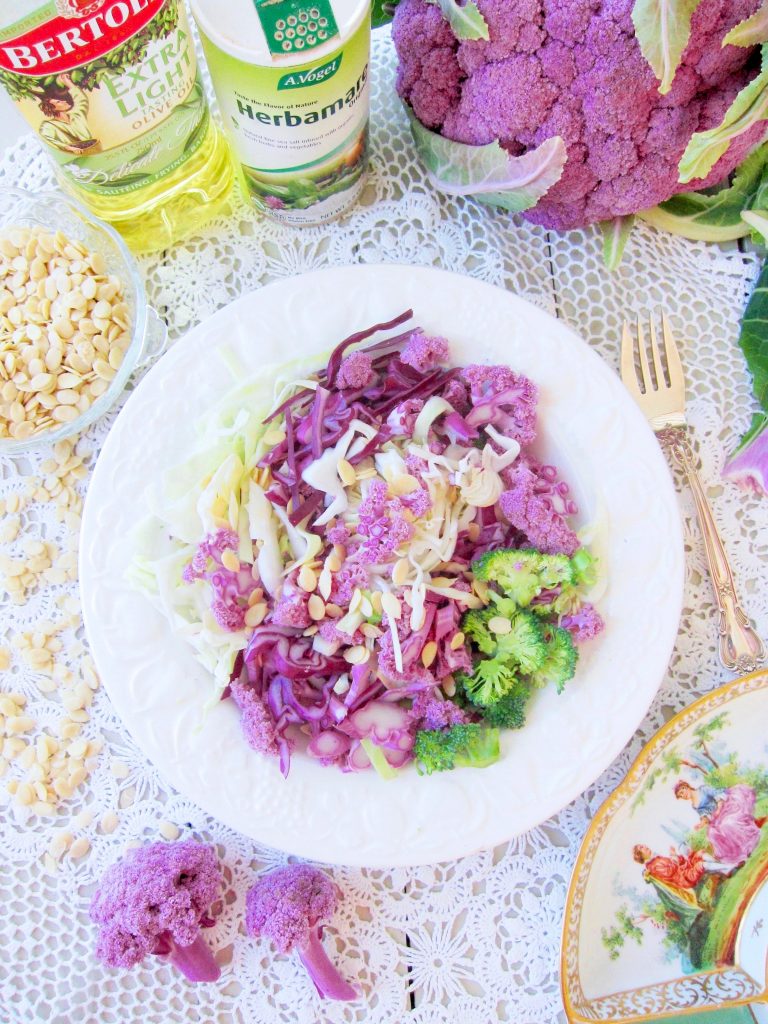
x=56, y=212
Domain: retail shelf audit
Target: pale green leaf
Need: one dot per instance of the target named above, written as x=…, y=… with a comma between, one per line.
x=465, y=20
x=705, y=148
x=663, y=28
x=616, y=234
x=489, y=173
x=752, y=31
x=758, y=222
x=716, y=216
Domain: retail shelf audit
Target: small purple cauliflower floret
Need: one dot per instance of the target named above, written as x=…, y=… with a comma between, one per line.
x=423, y=352
x=502, y=398
x=355, y=372
x=292, y=606
x=289, y=906
x=574, y=69
x=584, y=624
x=455, y=392
x=256, y=720
x=428, y=712
x=230, y=589
x=402, y=420
x=533, y=515
x=155, y=900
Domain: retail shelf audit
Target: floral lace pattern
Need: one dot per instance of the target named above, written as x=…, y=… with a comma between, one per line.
x=469, y=941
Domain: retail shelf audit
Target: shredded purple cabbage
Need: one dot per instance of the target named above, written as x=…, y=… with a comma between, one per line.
x=292, y=680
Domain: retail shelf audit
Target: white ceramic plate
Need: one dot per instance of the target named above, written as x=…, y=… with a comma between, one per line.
x=591, y=428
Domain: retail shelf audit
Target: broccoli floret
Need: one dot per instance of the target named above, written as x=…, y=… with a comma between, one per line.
x=509, y=711
x=524, y=645
x=522, y=649
x=461, y=746
x=475, y=626
x=556, y=570
x=492, y=678
x=516, y=572
x=560, y=662
x=584, y=569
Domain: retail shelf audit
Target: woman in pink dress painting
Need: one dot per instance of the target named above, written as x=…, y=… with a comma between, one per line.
x=733, y=831
x=729, y=818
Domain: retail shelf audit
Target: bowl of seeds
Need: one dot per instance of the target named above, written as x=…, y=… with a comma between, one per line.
x=74, y=320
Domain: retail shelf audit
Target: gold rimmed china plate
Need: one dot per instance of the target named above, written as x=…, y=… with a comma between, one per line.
x=667, y=911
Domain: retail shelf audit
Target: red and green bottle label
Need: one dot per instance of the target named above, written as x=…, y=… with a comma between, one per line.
x=110, y=86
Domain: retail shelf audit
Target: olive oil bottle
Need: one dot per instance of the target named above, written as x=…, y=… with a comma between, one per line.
x=113, y=91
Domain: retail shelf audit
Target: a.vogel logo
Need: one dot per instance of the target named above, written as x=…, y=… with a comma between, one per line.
x=314, y=76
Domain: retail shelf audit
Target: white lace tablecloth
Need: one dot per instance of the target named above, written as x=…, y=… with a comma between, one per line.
x=468, y=942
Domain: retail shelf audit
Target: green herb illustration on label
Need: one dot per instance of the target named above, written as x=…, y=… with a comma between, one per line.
x=293, y=26
x=313, y=76
x=300, y=192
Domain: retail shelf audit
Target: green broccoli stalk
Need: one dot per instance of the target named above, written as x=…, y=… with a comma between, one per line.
x=461, y=746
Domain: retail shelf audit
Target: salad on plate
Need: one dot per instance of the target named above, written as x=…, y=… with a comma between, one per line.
x=369, y=559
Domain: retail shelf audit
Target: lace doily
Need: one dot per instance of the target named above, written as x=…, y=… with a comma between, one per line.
x=465, y=942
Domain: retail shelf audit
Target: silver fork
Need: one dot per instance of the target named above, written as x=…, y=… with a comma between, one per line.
x=662, y=399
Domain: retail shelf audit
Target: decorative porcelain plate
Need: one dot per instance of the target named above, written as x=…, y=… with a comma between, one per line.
x=589, y=427
x=668, y=906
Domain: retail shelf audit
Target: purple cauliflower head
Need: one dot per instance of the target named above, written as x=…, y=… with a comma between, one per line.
x=289, y=906
x=155, y=900
x=574, y=68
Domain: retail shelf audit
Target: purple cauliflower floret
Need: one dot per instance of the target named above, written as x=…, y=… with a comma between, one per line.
x=289, y=906
x=292, y=606
x=402, y=419
x=533, y=515
x=583, y=624
x=256, y=720
x=381, y=524
x=230, y=588
x=156, y=900
x=574, y=68
x=355, y=372
x=502, y=398
x=429, y=712
x=349, y=578
x=455, y=392
x=423, y=352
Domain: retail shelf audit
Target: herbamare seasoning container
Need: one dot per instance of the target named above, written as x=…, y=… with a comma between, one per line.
x=291, y=77
x=112, y=89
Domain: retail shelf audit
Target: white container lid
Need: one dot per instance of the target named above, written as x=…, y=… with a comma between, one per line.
x=234, y=26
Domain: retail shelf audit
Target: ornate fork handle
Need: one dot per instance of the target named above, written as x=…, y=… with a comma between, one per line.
x=741, y=650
